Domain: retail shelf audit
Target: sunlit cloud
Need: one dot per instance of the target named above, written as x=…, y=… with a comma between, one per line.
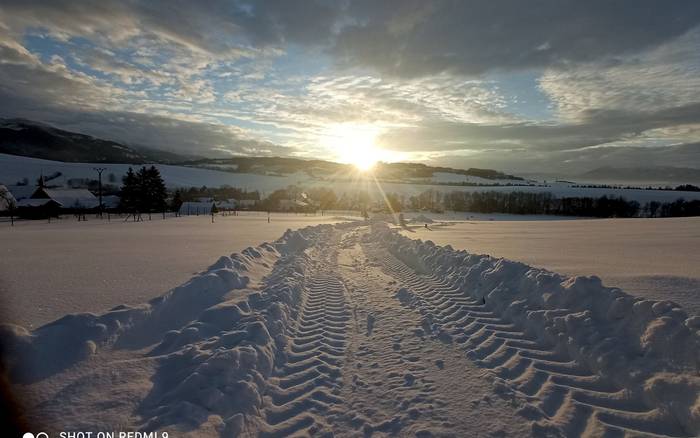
x=446, y=82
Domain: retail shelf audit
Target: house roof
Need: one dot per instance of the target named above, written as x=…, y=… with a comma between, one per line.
x=21, y=192
x=71, y=198
x=34, y=202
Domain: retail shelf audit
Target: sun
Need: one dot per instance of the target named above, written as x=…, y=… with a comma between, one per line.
x=354, y=144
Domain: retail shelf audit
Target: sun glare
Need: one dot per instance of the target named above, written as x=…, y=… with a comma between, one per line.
x=354, y=144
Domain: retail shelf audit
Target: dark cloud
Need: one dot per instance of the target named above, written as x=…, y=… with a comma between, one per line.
x=398, y=37
x=218, y=27
x=473, y=37
x=568, y=163
x=504, y=141
x=171, y=133
x=613, y=71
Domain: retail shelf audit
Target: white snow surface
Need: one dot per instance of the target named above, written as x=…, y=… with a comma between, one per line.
x=354, y=330
x=14, y=168
x=449, y=178
x=655, y=258
x=49, y=270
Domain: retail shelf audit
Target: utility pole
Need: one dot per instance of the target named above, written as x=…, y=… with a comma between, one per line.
x=99, y=171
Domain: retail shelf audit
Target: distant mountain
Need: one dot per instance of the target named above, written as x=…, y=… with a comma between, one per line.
x=38, y=140
x=650, y=174
x=322, y=168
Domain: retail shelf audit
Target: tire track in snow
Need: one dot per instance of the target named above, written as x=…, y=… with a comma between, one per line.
x=565, y=398
x=305, y=387
x=388, y=388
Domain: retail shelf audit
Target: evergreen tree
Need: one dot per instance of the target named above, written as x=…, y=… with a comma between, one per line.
x=143, y=191
x=129, y=191
x=176, y=203
x=155, y=191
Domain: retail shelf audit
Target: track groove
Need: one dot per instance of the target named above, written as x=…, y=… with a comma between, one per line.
x=305, y=384
x=568, y=397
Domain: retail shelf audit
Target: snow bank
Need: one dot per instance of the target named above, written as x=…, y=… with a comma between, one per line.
x=651, y=348
x=32, y=356
x=219, y=364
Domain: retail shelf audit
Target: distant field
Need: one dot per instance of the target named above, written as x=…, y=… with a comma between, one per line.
x=14, y=168
x=48, y=270
x=655, y=258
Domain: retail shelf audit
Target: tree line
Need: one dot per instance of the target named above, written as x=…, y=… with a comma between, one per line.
x=548, y=204
x=143, y=191
x=517, y=202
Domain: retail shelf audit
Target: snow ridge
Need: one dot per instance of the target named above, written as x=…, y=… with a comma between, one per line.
x=245, y=365
x=591, y=359
x=55, y=346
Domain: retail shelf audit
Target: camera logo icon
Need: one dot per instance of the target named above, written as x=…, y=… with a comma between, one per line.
x=38, y=435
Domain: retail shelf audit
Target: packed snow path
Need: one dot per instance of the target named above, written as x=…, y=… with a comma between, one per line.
x=354, y=330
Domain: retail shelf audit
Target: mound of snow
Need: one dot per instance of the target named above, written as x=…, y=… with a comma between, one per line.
x=652, y=348
x=32, y=356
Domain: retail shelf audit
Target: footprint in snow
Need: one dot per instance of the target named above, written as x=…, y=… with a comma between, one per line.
x=409, y=379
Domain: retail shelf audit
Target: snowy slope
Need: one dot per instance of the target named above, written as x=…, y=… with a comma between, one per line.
x=454, y=178
x=353, y=330
x=14, y=168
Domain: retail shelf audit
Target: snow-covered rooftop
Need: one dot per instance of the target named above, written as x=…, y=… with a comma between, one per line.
x=70, y=198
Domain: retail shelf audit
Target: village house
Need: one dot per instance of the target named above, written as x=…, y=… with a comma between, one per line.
x=75, y=199
x=45, y=202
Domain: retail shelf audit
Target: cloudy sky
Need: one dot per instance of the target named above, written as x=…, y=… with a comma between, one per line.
x=538, y=86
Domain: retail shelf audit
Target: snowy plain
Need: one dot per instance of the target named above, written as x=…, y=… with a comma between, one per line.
x=49, y=270
x=355, y=330
x=350, y=329
x=656, y=258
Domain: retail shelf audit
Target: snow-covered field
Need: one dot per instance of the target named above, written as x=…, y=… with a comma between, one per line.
x=49, y=270
x=355, y=330
x=654, y=258
x=14, y=168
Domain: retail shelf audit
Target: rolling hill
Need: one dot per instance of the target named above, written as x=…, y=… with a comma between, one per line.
x=38, y=140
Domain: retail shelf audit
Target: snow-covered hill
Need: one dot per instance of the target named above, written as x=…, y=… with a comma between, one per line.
x=14, y=168
x=34, y=139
